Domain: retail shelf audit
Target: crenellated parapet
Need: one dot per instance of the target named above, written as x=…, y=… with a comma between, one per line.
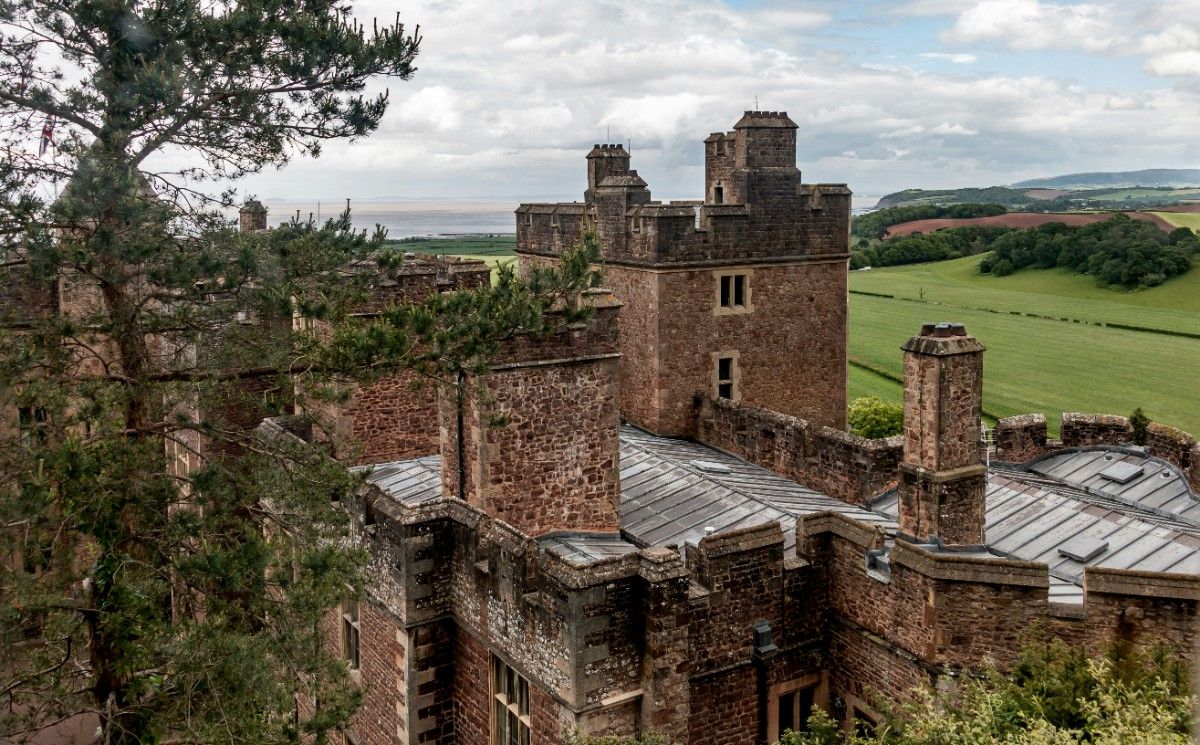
x=833, y=461
x=977, y=605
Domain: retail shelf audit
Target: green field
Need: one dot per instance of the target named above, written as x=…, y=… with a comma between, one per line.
x=1182, y=219
x=495, y=250
x=1038, y=364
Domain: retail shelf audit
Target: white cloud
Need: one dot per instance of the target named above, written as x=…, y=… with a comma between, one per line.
x=945, y=128
x=510, y=96
x=958, y=58
x=1032, y=24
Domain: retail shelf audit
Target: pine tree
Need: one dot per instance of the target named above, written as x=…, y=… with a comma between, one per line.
x=164, y=569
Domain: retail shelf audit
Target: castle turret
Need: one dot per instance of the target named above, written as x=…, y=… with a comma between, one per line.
x=604, y=161
x=740, y=295
x=942, y=482
x=252, y=216
x=553, y=463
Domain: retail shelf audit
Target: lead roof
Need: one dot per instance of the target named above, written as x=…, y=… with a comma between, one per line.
x=673, y=491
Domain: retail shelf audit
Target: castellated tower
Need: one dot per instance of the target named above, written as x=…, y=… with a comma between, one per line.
x=252, y=216
x=741, y=295
x=553, y=465
x=942, y=482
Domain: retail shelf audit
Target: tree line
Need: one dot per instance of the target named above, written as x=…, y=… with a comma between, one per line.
x=1119, y=251
x=874, y=225
x=917, y=248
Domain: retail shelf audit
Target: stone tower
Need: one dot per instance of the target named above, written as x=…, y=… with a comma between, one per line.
x=252, y=216
x=740, y=295
x=942, y=482
x=553, y=465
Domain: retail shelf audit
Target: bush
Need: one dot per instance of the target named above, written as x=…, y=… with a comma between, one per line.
x=1054, y=694
x=874, y=418
x=1139, y=422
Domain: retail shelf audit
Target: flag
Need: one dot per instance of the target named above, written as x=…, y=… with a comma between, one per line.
x=47, y=135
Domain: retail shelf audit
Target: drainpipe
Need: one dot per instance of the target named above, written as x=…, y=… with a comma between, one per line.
x=764, y=650
x=461, y=449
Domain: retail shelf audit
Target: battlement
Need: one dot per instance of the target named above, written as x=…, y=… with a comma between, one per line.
x=852, y=468
x=1022, y=439
x=754, y=208
x=765, y=120
x=630, y=635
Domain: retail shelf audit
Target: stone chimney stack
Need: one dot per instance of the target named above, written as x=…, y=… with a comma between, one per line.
x=252, y=216
x=551, y=463
x=942, y=482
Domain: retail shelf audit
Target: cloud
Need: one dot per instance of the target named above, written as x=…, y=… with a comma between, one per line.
x=1173, y=52
x=1032, y=24
x=510, y=96
x=945, y=128
x=958, y=58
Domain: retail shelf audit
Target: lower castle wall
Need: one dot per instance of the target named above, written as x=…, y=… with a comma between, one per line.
x=724, y=708
x=840, y=464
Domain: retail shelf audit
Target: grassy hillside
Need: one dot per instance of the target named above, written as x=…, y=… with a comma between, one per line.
x=1182, y=219
x=1038, y=364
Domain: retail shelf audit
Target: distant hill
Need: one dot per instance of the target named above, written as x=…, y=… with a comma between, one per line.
x=988, y=195
x=1160, y=177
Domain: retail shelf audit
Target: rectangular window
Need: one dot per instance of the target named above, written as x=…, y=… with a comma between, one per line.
x=791, y=706
x=32, y=424
x=733, y=291
x=350, y=632
x=725, y=379
x=510, y=705
x=719, y=194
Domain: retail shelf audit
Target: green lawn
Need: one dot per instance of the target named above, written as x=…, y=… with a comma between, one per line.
x=1175, y=306
x=1034, y=364
x=495, y=250
x=1182, y=219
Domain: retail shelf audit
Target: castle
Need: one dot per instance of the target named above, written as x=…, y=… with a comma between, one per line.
x=674, y=533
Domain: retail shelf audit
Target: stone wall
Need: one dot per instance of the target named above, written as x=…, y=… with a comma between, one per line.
x=554, y=463
x=1019, y=439
x=1091, y=430
x=395, y=417
x=840, y=464
x=1172, y=445
x=934, y=612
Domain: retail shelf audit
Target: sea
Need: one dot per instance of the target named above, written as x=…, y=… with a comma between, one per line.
x=431, y=218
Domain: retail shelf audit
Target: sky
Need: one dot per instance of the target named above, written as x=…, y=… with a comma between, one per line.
x=511, y=94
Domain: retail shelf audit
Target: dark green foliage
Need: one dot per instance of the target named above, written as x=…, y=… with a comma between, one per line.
x=875, y=224
x=874, y=418
x=1054, y=693
x=174, y=565
x=972, y=195
x=917, y=248
x=1139, y=422
x=1118, y=251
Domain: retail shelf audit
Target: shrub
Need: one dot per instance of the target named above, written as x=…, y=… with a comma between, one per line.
x=1054, y=695
x=1140, y=422
x=874, y=418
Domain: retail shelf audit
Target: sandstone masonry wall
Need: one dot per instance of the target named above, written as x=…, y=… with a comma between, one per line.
x=840, y=464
